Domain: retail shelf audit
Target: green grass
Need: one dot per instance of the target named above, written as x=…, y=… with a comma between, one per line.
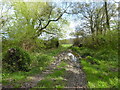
x=14, y=79
x=37, y=66
x=62, y=64
x=66, y=45
x=100, y=76
x=54, y=79
x=39, y=63
x=57, y=73
x=100, y=67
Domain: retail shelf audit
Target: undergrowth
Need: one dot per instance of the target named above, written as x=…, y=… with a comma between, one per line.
x=100, y=65
x=39, y=61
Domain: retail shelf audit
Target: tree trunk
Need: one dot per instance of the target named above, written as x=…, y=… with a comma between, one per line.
x=107, y=17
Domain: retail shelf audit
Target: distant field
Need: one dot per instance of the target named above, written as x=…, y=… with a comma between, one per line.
x=66, y=45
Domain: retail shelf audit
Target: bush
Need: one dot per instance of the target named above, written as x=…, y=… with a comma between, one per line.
x=76, y=41
x=52, y=43
x=110, y=39
x=43, y=59
x=107, y=54
x=76, y=49
x=16, y=59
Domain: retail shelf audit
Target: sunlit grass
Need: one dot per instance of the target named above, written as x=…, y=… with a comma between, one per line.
x=54, y=79
x=39, y=63
x=100, y=66
x=62, y=64
x=14, y=79
x=66, y=45
x=57, y=73
x=100, y=76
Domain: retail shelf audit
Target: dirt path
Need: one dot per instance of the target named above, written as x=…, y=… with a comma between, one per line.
x=33, y=80
x=75, y=76
x=37, y=78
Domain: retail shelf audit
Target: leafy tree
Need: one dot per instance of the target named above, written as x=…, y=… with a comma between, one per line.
x=29, y=20
x=96, y=17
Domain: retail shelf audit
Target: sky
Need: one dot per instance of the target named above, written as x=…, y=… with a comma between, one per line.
x=70, y=28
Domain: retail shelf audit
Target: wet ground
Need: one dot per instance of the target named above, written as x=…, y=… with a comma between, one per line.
x=75, y=76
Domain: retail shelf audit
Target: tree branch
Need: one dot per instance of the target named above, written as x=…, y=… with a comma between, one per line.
x=51, y=21
x=41, y=29
x=48, y=32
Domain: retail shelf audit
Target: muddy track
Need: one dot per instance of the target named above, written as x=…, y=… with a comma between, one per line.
x=33, y=80
x=37, y=78
x=75, y=77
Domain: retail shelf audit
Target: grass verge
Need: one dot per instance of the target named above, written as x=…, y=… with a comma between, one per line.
x=101, y=67
x=39, y=63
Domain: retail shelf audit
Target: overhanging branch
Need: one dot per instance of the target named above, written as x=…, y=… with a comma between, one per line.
x=48, y=32
x=51, y=21
x=42, y=29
